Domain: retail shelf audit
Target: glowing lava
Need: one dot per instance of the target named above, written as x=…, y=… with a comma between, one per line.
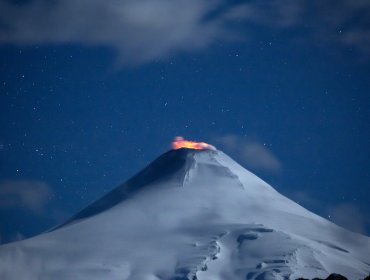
x=180, y=142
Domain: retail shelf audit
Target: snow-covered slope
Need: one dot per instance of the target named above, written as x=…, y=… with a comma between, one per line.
x=190, y=215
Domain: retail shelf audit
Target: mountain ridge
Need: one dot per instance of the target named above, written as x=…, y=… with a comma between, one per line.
x=191, y=215
x=141, y=179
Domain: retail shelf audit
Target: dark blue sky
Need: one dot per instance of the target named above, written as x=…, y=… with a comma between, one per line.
x=91, y=93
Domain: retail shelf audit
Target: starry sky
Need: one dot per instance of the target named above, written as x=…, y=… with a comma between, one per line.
x=93, y=91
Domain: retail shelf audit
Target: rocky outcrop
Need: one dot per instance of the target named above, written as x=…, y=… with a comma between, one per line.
x=333, y=276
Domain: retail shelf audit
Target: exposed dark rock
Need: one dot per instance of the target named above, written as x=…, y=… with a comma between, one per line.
x=335, y=276
x=367, y=277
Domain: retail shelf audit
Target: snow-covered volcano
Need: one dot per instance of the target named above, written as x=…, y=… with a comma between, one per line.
x=191, y=214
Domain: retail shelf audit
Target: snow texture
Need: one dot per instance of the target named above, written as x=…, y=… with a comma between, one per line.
x=190, y=215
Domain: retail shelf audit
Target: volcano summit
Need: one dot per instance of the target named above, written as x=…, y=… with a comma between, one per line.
x=190, y=214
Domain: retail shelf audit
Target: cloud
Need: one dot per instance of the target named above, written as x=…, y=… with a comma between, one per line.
x=305, y=199
x=346, y=214
x=254, y=154
x=337, y=23
x=143, y=31
x=349, y=216
x=139, y=30
x=31, y=195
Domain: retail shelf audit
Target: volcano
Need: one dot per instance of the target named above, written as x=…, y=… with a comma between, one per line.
x=191, y=214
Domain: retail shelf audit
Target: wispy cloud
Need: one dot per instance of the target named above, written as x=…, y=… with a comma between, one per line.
x=341, y=24
x=140, y=31
x=305, y=199
x=346, y=214
x=349, y=216
x=31, y=195
x=252, y=153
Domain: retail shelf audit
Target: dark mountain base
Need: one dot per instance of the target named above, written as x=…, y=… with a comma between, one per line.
x=333, y=276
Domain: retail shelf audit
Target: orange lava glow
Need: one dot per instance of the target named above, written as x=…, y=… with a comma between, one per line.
x=180, y=142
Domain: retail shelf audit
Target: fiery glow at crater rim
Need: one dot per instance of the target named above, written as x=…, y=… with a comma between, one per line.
x=180, y=142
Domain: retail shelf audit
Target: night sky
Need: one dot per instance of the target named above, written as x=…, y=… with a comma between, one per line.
x=93, y=91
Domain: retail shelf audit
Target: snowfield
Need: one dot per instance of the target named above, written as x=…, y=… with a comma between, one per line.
x=190, y=215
